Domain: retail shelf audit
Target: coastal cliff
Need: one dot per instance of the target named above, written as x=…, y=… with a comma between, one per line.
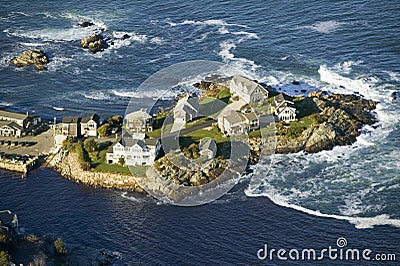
x=70, y=168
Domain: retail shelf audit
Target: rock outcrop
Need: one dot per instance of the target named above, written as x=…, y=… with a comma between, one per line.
x=210, y=170
x=95, y=43
x=339, y=122
x=31, y=57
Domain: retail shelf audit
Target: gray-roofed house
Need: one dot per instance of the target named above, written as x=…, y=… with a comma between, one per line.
x=71, y=126
x=248, y=90
x=133, y=151
x=139, y=121
x=10, y=129
x=232, y=123
x=186, y=109
x=283, y=107
x=89, y=125
x=252, y=121
x=207, y=148
x=16, y=124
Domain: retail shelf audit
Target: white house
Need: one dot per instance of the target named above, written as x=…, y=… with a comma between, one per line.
x=10, y=129
x=186, y=109
x=248, y=90
x=232, y=123
x=139, y=121
x=16, y=124
x=133, y=151
x=89, y=125
x=283, y=107
x=207, y=148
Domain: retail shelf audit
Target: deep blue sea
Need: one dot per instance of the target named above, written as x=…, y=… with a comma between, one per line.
x=304, y=201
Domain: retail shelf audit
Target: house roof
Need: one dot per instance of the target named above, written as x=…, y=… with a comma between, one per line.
x=234, y=117
x=93, y=117
x=247, y=86
x=151, y=141
x=10, y=124
x=141, y=114
x=280, y=98
x=251, y=116
x=13, y=115
x=207, y=144
x=187, y=102
x=129, y=142
x=70, y=120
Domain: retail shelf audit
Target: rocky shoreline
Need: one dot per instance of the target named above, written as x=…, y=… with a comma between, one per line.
x=70, y=168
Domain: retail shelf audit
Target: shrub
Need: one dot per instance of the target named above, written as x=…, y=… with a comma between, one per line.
x=31, y=238
x=69, y=144
x=294, y=131
x=121, y=161
x=110, y=123
x=83, y=156
x=59, y=247
x=5, y=258
x=91, y=145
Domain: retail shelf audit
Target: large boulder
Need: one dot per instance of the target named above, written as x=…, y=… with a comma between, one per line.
x=95, y=43
x=31, y=57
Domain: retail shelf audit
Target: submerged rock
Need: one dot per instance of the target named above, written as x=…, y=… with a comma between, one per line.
x=31, y=57
x=125, y=36
x=394, y=95
x=94, y=42
x=86, y=24
x=40, y=67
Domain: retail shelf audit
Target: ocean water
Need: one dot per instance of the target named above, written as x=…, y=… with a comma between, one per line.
x=304, y=200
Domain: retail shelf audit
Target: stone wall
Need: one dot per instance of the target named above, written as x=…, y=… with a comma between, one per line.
x=16, y=167
x=69, y=167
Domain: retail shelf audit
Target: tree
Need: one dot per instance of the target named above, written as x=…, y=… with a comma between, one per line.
x=121, y=161
x=91, y=145
x=5, y=258
x=103, y=130
x=59, y=247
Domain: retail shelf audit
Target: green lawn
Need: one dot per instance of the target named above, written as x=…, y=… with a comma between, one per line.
x=215, y=134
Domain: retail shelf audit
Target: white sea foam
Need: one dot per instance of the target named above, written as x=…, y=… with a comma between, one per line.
x=78, y=18
x=33, y=44
x=247, y=35
x=223, y=30
x=60, y=109
x=347, y=85
x=395, y=76
x=157, y=40
x=210, y=22
x=325, y=26
x=346, y=66
x=97, y=95
x=359, y=222
x=144, y=94
x=134, y=199
x=54, y=34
